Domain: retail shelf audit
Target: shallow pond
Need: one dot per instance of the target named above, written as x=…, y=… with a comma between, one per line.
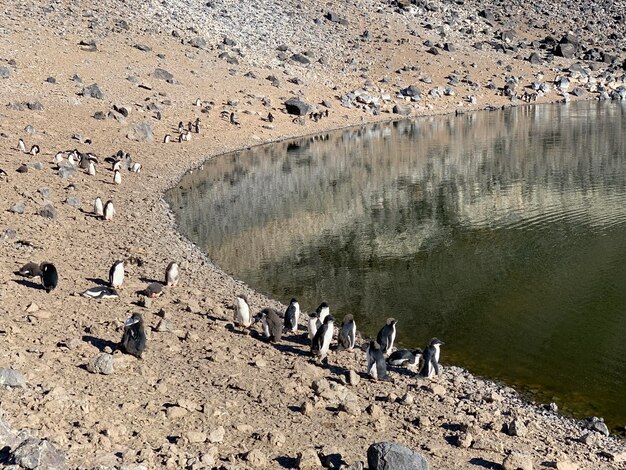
x=502, y=233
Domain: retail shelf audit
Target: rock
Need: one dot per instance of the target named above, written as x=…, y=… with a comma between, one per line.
x=141, y=132
x=18, y=208
x=22, y=169
x=48, y=211
x=73, y=201
x=306, y=408
x=394, y=456
x=486, y=443
x=374, y=410
x=195, y=437
x=618, y=457
x=162, y=74
x=34, y=105
x=565, y=50
x=350, y=407
x=276, y=439
x=51, y=80
x=301, y=58
x=597, y=424
x=8, y=437
x=308, y=459
x=123, y=110
x=101, y=364
x=67, y=170
x=411, y=91
x=142, y=47
x=12, y=378
x=566, y=465
x=437, y=389
x=198, y=42
x=36, y=453
x=32, y=308
x=535, y=59
x=352, y=378
x=256, y=459
x=4, y=72
x=175, y=412
x=402, y=110
x=297, y=107
x=407, y=399
x=217, y=435
x=464, y=440
x=517, y=428
x=93, y=91
x=517, y=461
x=578, y=91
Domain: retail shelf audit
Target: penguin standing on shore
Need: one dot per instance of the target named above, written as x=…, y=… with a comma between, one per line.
x=167, y=139
x=21, y=146
x=313, y=324
x=171, y=274
x=272, y=324
x=98, y=209
x=242, y=311
x=109, y=210
x=49, y=276
x=404, y=357
x=117, y=177
x=134, y=337
x=323, y=311
x=431, y=359
x=292, y=314
x=322, y=339
x=34, y=150
x=376, y=366
x=347, y=335
x=386, y=336
x=116, y=274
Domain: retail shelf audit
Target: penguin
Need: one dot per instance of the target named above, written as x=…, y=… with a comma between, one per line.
x=376, y=366
x=58, y=158
x=109, y=210
x=234, y=119
x=21, y=146
x=117, y=177
x=431, y=359
x=189, y=126
x=153, y=290
x=136, y=168
x=92, y=169
x=198, y=102
x=196, y=126
x=30, y=269
x=167, y=139
x=272, y=324
x=98, y=210
x=34, y=150
x=83, y=161
x=404, y=357
x=171, y=274
x=181, y=127
x=180, y=138
x=387, y=335
x=242, y=311
x=117, y=165
x=347, y=334
x=314, y=324
x=323, y=311
x=270, y=117
x=134, y=337
x=49, y=276
x=187, y=136
x=71, y=158
x=292, y=314
x=101, y=292
x=4, y=176
x=116, y=274
x=322, y=339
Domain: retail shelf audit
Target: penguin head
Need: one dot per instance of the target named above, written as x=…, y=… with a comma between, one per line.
x=391, y=321
x=329, y=319
x=261, y=315
x=243, y=296
x=348, y=318
x=314, y=315
x=374, y=345
x=418, y=352
x=293, y=300
x=322, y=306
x=134, y=318
x=436, y=342
x=47, y=267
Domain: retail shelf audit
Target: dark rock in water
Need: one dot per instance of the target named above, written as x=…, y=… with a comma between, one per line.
x=36, y=453
x=402, y=110
x=93, y=91
x=300, y=58
x=162, y=74
x=565, y=50
x=48, y=211
x=297, y=107
x=393, y=456
x=4, y=72
x=198, y=42
x=535, y=59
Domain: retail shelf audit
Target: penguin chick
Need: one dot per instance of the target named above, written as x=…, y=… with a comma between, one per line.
x=322, y=339
x=347, y=335
x=404, y=357
x=153, y=290
x=292, y=314
x=100, y=292
x=242, y=311
x=386, y=336
x=49, y=276
x=376, y=366
x=134, y=337
x=116, y=274
x=272, y=324
x=171, y=274
x=30, y=269
x=431, y=359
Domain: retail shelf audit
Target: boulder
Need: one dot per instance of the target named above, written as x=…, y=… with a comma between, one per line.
x=297, y=107
x=36, y=453
x=12, y=378
x=394, y=456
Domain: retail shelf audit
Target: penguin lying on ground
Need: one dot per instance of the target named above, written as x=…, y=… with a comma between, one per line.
x=101, y=292
x=30, y=269
x=404, y=357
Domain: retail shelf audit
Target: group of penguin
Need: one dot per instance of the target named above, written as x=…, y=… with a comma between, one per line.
x=134, y=338
x=380, y=352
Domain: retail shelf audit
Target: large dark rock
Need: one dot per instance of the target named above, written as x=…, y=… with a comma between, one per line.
x=93, y=91
x=402, y=110
x=162, y=74
x=198, y=42
x=297, y=107
x=36, y=453
x=411, y=91
x=4, y=72
x=301, y=58
x=566, y=50
x=393, y=456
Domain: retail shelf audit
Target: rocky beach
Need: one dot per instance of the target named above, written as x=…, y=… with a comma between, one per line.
x=106, y=76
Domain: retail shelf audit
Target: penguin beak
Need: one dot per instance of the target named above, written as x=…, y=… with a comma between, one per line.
x=130, y=321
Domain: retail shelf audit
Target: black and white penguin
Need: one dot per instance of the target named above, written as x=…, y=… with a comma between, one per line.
x=49, y=276
x=167, y=139
x=116, y=274
x=101, y=292
x=322, y=339
x=431, y=359
x=117, y=177
x=292, y=314
x=109, y=210
x=242, y=311
x=134, y=337
x=171, y=274
x=404, y=357
x=270, y=117
x=376, y=366
x=58, y=158
x=181, y=127
x=272, y=324
x=313, y=324
x=91, y=170
x=323, y=311
x=347, y=334
x=198, y=102
x=21, y=146
x=387, y=335
x=30, y=269
x=98, y=209
x=136, y=168
x=154, y=290
x=234, y=119
x=196, y=126
x=34, y=150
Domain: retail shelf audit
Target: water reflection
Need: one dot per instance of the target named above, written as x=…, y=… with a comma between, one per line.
x=501, y=233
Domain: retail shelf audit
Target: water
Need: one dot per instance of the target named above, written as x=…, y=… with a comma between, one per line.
x=502, y=233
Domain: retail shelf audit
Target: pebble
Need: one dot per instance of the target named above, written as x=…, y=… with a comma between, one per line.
x=217, y=435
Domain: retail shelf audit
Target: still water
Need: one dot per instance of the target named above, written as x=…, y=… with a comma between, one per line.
x=501, y=233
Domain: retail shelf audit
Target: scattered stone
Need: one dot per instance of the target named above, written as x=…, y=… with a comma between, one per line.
x=67, y=170
x=217, y=435
x=101, y=364
x=566, y=465
x=4, y=72
x=93, y=91
x=565, y=50
x=51, y=80
x=18, y=208
x=198, y=42
x=306, y=408
x=464, y=440
x=517, y=461
x=308, y=459
x=48, y=211
x=36, y=453
x=32, y=308
x=73, y=201
x=352, y=378
x=141, y=132
x=162, y=74
x=437, y=389
x=12, y=378
x=517, y=428
x=394, y=456
x=297, y=107
x=143, y=47
x=402, y=110
x=374, y=410
x=256, y=459
x=488, y=444
x=596, y=424
x=195, y=437
x=22, y=169
x=301, y=58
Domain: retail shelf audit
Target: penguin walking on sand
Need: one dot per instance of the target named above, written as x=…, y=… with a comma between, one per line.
x=21, y=146
x=116, y=274
x=49, y=276
x=376, y=366
x=272, y=324
x=313, y=324
x=404, y=357
x=322, y=339
x=323, y=311
x=242, y=311
x=347, y=334
x=117, y=177
x=431, y=359
x=167, y=139
x=34, y=150
x=292, y=314
x=134, y=338
x=386, y=336
x=91, y=170
x=109, y=210
x=171, y=274
x=98, y=209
